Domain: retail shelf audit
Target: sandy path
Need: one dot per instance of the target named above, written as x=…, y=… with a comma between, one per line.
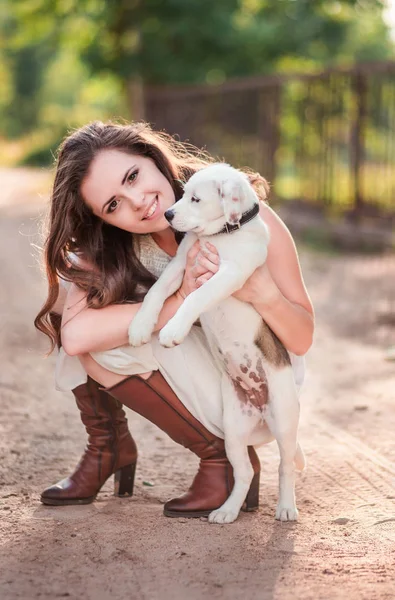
x=342, y=547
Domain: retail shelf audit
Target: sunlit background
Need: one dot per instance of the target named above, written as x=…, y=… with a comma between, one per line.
x=303, y=91
x=65, y=62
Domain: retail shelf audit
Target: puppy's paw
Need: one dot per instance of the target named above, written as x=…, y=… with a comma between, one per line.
x=140, y=331
x=223, y=516
x=173, y=334
x=286, y=513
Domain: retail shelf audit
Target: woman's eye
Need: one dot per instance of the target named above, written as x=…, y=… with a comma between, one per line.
x=194, y=199
x=132, y=176
x=112, y=206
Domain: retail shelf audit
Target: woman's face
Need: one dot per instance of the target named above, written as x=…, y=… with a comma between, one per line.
x=128, y=191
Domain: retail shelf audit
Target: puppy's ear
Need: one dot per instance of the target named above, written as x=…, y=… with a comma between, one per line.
x=231, y=195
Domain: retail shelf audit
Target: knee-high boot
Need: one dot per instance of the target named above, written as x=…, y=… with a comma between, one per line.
x=154, y=399
x=111, y=449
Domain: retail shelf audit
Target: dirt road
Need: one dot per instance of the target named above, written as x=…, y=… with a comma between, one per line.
x=342, y=547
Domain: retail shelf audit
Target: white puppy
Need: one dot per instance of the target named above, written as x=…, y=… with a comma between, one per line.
x=220, y=205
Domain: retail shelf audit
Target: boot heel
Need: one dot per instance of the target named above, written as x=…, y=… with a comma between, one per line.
x=124, y=480
x=252, y=499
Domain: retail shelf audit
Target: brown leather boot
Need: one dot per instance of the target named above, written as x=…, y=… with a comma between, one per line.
x=154, y=399
x=111, y=449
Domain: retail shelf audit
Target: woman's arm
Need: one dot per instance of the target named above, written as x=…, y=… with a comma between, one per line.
x=93, y=330
x=277, y=290
x=291, y=322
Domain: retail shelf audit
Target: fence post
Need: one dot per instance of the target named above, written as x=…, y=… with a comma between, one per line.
x=276, y=98
x=268, y=131
x=358, y=139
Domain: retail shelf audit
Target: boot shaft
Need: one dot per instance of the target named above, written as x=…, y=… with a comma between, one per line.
x=154, y=399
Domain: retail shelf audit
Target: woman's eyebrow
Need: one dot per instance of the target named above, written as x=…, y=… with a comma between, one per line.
x=122, y=183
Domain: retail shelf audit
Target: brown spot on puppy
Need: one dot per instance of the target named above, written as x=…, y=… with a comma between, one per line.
x=260, y=369
x=271, y=347
x=248, y=360
x=254, y=377
x=257, y=397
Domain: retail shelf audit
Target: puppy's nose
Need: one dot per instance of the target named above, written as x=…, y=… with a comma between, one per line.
x=169, y=214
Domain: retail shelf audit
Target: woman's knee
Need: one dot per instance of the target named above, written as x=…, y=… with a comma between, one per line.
x=103, y=376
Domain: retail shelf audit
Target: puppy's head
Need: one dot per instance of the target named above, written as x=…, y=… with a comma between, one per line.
x=213, y=196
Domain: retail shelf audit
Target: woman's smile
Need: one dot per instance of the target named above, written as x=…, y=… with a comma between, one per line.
x=153, y=210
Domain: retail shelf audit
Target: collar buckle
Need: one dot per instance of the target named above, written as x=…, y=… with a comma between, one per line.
x=232, y=227
x=245, y=218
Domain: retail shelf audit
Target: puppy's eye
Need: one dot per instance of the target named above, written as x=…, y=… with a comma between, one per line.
x=194, y=199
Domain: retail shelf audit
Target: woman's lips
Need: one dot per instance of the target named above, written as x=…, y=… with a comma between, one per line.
x=154, y=207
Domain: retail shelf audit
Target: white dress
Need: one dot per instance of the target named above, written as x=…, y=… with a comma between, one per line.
x=188, y=368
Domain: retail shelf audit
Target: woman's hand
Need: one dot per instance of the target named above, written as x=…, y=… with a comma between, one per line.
x=202, y=264
x=259, y=288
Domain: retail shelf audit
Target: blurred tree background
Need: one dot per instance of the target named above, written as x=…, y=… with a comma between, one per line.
x=66, y=62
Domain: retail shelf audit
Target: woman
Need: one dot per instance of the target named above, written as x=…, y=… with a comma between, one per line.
x=108, y=238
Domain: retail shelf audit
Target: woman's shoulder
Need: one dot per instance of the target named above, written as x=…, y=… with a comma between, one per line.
x=75, y=260
x=283, y=261
x=271, y=218
x=279, y=232
x=78, y=259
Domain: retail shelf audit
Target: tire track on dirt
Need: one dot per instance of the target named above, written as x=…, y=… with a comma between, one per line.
x=345, y=480
x=355, y=479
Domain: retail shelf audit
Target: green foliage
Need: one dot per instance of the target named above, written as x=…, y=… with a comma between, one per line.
x=24, y=57
x=65, y=62
x=40, y=157
x=197, y=41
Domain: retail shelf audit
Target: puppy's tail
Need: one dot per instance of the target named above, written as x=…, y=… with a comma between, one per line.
x=300, y=459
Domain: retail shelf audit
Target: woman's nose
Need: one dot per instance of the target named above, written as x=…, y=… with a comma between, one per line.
x=136, y=199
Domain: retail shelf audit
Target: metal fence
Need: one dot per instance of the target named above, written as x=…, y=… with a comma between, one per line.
x=326, y=139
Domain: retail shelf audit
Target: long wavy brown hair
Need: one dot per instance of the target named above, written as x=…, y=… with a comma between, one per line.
x=115, y=274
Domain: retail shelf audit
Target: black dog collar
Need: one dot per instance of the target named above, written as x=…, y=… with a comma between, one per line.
x=245, y=217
